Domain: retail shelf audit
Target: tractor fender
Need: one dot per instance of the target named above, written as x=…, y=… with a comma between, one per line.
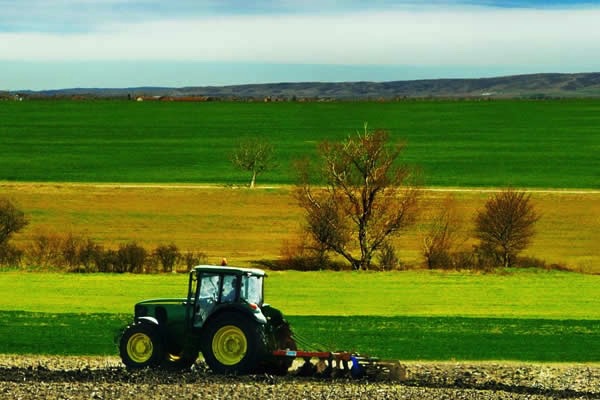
x=272, y=314
x=254, y=315
x=148, y=320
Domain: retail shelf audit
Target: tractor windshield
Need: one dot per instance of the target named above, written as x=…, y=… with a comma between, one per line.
x=252, y=289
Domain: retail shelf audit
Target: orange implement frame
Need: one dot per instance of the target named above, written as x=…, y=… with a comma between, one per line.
x=322, y=355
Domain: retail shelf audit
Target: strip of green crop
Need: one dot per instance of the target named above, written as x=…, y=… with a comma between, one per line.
x=416, y=315
x=519, y=294
x=401, y=338
x=454, y=143
x=61, y=334
x=456, y=338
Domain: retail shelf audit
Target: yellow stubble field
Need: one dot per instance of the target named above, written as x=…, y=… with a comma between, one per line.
x=247, y=225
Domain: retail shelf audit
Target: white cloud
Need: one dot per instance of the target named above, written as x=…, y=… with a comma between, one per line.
x=455, y=36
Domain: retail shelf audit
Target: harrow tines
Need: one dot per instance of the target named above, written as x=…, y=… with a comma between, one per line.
x=337, y=364
x=384, y=370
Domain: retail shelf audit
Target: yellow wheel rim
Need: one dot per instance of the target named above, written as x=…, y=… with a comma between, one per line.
x=139, y=347
x=229, y=345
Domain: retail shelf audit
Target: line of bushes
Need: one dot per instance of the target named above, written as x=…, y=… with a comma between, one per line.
x=300, y=258
x=79, y=254
x=72, y=253
x=443, y=248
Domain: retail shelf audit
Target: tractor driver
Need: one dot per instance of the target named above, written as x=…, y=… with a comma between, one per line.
x=229, y=288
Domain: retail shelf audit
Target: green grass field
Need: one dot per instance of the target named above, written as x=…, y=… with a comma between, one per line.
x=519, y=315
x=533, y=316
x=455, y=143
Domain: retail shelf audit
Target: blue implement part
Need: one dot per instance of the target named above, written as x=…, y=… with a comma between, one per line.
x=357, y=371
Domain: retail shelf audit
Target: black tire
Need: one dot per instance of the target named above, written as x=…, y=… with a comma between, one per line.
x=233, y=344
x=141, y=346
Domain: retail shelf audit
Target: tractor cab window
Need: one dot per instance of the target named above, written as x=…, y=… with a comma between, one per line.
x=209, y=294
x=252, y=289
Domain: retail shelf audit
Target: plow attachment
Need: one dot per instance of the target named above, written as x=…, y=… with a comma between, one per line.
x=328, y=364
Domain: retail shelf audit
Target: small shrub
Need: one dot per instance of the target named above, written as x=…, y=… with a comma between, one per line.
x=90, y=255
x=71, y=250
x=152, y=264
x=485, y=258
x=442, y=237
x=303, y=254
x=464, y=260
x=106, y=260
x=533, y=262
x=304, y=263
x=439, y=258
x=530, y=262
x=387, y=257
x=10, y=255
x=192, y=258
x=131, y=258
x=335, y=265
x=12, y=220
x=559, y=267
x=45, y=250
x=168, y=256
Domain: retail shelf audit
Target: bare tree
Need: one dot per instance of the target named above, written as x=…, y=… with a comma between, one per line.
x=168, y=256
x=506, y=224
x=254, y=155
x=12, y=220
x=367, y=196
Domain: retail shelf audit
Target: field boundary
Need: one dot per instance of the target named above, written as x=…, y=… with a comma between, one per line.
x=141, y=185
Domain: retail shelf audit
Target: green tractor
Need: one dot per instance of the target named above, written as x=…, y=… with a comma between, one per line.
x=223, y=317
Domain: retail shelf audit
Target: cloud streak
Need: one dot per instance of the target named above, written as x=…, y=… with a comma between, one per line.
x=65, y=16
x=66, y=43
x=455, y=36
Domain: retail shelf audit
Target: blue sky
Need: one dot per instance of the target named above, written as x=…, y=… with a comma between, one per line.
x=49, y=44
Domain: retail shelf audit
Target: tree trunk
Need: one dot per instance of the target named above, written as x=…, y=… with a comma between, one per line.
x=506, y=257
x=253, y=180
x=365, y=258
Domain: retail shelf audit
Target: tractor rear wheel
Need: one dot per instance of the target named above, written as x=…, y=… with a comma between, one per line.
x=233, y=344
x=141, y=346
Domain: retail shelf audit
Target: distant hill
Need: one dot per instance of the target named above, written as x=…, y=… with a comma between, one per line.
x=517, y=86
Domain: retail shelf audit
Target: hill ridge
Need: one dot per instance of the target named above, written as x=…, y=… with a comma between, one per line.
x=539, y=85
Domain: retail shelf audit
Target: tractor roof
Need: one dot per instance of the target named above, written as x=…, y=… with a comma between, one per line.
x=229, y=270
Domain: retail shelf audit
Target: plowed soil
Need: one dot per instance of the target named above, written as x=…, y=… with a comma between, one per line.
x=33, y=377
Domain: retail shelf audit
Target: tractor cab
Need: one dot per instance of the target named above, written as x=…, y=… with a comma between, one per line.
x=214, y=288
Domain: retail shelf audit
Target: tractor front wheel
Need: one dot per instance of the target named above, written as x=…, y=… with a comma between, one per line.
x=233, y=344
x=141, y=346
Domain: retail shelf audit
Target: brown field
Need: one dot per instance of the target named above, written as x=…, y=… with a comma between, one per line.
x=247, y=225
x=49, y=377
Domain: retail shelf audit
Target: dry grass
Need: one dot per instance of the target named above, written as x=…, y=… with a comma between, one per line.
x=246, y=225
